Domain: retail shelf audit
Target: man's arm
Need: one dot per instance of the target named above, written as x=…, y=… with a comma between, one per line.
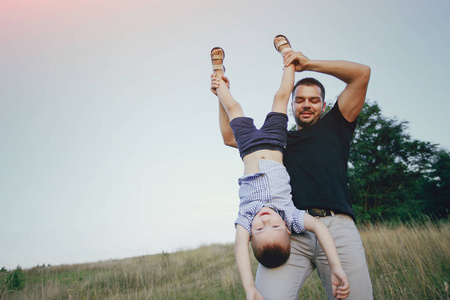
x=339, y=281
x=355, y=75
x=224, y=119
x=243, y=262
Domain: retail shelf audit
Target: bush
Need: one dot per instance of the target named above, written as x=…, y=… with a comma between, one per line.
x=11, y=280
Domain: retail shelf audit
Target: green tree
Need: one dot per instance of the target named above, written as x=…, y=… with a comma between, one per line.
x=388, y=170
x=13, y=280
x=436, y=191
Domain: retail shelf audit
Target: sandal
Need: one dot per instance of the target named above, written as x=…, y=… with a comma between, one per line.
x=217, y=56
x=280, y=43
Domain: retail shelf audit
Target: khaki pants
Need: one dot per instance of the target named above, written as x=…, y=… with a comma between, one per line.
x=306, y=254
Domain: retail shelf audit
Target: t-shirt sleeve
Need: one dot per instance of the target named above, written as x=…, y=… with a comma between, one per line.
x=336, y=111
x=298, y=221
x=244, y=222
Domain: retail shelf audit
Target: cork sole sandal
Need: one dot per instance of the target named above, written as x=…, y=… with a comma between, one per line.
x=280, y=43
x=220, y=55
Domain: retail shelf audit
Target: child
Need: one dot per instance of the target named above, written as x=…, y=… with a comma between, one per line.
x=266, y=211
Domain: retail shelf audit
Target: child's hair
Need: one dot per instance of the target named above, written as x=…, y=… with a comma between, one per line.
x=272, y=255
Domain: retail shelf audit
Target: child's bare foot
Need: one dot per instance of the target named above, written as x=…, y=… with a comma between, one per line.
x=217, y=56
x=282, y=44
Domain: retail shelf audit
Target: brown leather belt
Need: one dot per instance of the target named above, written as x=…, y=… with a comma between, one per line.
x=319, y=213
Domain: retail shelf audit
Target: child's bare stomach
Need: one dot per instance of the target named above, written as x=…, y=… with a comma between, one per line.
x=251, y=161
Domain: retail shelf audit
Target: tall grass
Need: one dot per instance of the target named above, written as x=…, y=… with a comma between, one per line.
x=406, y=261
x=409, y=261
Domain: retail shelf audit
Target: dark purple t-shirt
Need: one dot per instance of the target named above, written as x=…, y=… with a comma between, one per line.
x=316, y=159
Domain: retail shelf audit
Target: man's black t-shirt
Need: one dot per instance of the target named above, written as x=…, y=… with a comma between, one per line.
x=316, y=159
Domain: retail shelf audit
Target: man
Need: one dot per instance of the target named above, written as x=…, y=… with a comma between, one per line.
x=316, y=160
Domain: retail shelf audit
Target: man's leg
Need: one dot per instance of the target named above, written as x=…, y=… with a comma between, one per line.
x=352, y=256
x=285, y=282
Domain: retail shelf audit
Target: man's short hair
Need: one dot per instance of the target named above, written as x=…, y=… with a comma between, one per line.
x=272, y=255
x=309, y=81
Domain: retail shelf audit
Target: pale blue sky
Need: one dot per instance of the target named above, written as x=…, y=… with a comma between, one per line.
x=110, y=139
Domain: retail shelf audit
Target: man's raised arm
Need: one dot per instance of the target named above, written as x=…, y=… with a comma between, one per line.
x=355, y=75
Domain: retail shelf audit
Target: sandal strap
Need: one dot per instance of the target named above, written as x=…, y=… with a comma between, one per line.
x=281, y=43
x=285, y=49
x=218, y=67
x=217, y=56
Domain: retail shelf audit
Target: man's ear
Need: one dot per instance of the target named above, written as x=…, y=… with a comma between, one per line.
x=324, y=106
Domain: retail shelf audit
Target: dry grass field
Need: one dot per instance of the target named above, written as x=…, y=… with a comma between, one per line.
x=406, y=261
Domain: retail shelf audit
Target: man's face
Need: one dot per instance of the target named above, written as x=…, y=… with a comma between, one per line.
x=307, y=105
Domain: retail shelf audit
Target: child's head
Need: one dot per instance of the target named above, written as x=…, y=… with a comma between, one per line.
x=270, y=238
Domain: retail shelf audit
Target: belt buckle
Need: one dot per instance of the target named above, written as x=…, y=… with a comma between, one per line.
x=317, y=212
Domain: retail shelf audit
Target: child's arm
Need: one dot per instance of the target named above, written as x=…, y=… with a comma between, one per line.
x=339, y=281
x=243, y=262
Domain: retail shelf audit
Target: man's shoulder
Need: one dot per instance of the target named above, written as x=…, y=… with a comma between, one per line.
x=336, y=119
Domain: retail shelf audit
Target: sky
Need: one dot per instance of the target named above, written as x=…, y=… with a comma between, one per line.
x=110, y=144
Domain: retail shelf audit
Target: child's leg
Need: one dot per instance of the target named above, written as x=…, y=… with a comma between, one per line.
x=231, y=106
x=281, y=98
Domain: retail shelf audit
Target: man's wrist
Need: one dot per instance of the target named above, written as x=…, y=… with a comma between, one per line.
x=307, y=65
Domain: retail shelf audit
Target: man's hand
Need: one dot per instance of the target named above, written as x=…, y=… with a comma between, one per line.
x=253, y=294
x=299, y=60
x=215, y=82
x=339, y=283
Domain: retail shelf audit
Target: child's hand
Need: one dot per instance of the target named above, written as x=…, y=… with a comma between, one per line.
x=339, y=282
x=253, y=294
x=215, y=83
